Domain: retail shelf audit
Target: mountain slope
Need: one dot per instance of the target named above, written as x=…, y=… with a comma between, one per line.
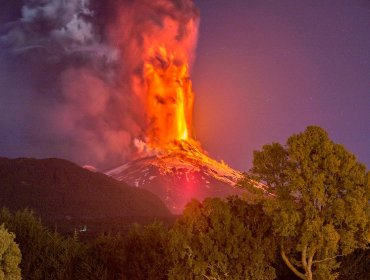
x=57, y=189
x=179, y=173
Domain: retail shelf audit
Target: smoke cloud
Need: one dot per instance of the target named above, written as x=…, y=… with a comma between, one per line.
x=71, y=81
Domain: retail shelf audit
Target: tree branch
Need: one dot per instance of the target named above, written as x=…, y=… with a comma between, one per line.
x=323, y=260
x=289, y=264
x=304, y=257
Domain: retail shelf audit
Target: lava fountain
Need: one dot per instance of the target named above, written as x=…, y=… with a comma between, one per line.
x=169, y=100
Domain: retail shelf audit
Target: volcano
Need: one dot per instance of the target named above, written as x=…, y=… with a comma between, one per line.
x=172, y=164
x=180, y=173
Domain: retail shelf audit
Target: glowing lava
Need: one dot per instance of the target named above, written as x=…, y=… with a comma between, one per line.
x=169, y=98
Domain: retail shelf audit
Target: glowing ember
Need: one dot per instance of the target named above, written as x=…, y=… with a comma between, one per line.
x=169, y=98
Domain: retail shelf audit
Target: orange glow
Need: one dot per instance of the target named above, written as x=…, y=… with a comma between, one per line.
x=169, y=98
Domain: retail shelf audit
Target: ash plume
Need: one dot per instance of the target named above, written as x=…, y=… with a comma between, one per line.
x=71, y=80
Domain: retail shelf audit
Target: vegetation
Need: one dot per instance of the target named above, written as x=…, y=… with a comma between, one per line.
x=233, y=249
x=321, y=209
x=220, y=239
x=45, y=255
x=10, y=256
x=355, y=266
x=315, y=225
x=147, y=252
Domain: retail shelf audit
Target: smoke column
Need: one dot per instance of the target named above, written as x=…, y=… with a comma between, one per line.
x=156, y=39
x=72, y=80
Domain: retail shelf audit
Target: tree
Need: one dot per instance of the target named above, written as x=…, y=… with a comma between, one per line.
x=10, y=256
x=320, y=209
x=220, y=239
x=146, y=252
x=45, y=255
x=103, y=258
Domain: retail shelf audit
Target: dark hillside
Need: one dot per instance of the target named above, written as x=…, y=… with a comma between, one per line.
x=57, y=189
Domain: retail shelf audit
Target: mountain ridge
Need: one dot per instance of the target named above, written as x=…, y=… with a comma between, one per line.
x=59, y=189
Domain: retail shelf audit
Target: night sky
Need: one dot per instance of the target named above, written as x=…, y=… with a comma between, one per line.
x=267, y=69
x=263, y=70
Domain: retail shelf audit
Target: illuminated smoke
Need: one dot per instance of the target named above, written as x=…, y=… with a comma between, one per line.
x=157, y=40
x=82, y=66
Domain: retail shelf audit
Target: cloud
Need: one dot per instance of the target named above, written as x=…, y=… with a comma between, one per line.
x=71, y=75
x=59, y=26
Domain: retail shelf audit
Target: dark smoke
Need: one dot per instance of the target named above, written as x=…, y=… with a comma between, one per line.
x=70, y=75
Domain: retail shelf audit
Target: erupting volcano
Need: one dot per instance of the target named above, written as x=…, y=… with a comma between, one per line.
x=171, y=163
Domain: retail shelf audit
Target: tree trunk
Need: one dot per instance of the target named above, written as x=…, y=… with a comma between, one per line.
x=309, y=275
x=291, y=266
x=306, y=263
x=309, y=266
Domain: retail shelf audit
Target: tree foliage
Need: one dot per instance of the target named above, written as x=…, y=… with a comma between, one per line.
x=45, y=255
x=146, y=252
x=321, y=208
x=220, y=239
x=102, y=258
x=10, y=256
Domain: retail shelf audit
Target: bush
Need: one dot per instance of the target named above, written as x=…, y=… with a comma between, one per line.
x=10, y=256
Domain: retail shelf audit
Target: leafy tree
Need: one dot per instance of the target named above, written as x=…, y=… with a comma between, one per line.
x=10, y=256
x=321, y=205
x=220, y=239
x=104, y=258
x=146, y=252
x=45, y=255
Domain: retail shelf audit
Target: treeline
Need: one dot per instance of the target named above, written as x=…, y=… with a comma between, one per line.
x=314, y=224
x=216, y=239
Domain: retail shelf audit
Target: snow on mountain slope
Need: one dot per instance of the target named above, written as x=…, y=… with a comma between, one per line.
x=179, y=173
